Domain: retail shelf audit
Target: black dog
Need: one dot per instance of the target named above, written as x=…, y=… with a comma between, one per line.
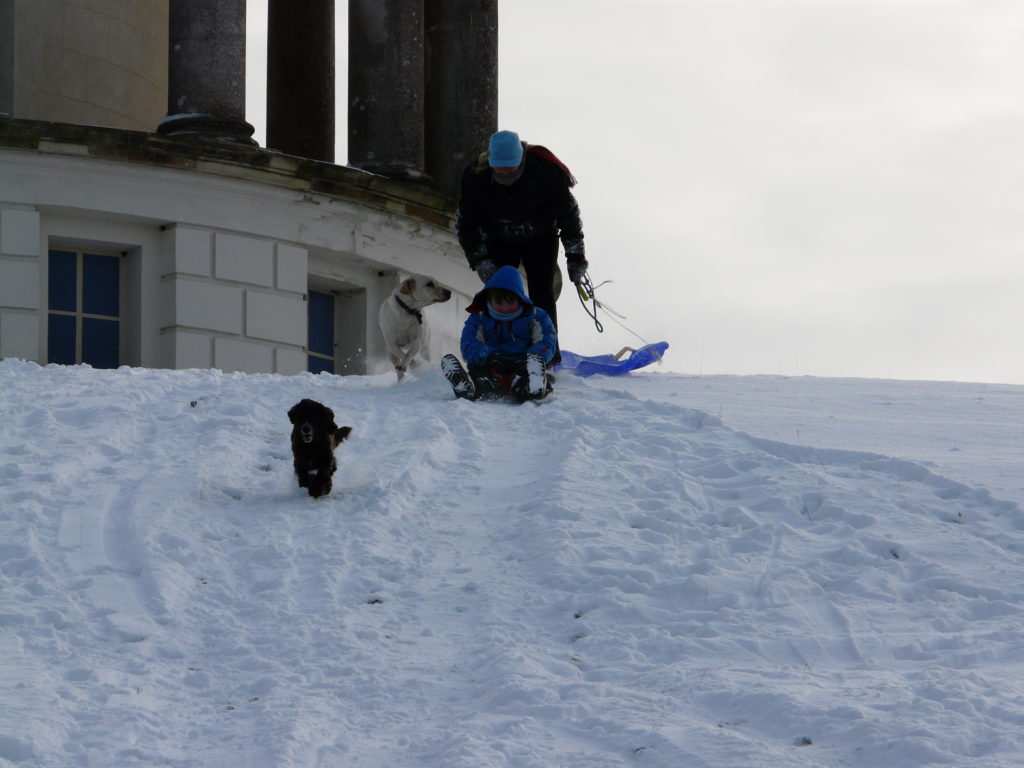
x=314, y=438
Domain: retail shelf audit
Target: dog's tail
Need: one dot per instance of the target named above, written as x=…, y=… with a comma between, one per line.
x=341, y=433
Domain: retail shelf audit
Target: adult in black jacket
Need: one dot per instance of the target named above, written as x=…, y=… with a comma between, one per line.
x=514, y=207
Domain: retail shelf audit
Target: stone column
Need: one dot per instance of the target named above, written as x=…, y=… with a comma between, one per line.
x=206, y=78
x=385, y=87
x=462, y=86
x=300, y=78
x=6, y=57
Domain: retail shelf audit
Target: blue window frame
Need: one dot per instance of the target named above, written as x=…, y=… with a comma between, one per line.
x=321, y=332
x=84, y=309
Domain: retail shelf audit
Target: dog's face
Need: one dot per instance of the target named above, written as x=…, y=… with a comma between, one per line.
x=311, y=419
x=418, y=291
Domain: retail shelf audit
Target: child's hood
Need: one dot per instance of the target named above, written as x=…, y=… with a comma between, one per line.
x=508, y=278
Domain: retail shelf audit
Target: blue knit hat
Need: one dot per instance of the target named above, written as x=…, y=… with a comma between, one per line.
x=506, y=151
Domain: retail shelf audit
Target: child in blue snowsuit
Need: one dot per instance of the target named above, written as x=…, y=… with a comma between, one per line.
x=507, y=344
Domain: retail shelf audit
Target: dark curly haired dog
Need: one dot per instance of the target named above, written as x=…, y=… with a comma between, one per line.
x=314, y=438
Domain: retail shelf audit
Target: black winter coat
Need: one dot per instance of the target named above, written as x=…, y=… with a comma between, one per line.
x=502, y=222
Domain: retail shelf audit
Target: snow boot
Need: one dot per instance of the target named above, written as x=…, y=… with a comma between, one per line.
x=537, y=384
x=461, y=381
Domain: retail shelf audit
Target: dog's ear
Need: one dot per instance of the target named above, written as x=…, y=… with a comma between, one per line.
x=292, y=413
x=408, y=286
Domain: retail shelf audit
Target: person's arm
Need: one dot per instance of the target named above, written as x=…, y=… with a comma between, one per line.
x=544, y=336
x=570, y=230
x=468, y=223
x=567, y=216
x=475, y=350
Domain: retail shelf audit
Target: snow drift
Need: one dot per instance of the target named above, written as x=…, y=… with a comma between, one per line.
x=612, y=579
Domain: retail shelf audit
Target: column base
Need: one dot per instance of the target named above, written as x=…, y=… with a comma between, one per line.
x=208, y=127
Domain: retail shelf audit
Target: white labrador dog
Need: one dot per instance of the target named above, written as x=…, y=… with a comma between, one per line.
x=401, y=319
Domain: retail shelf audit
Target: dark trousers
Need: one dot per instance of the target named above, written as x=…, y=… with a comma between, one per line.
x=495, y=382
x=492, y=384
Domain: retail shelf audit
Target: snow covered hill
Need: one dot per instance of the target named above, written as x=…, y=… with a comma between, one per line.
x=656, y=570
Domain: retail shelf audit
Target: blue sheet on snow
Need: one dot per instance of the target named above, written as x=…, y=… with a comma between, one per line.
x=613, y=365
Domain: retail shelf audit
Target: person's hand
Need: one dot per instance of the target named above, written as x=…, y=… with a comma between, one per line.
x=485, y=269
x=576, y=269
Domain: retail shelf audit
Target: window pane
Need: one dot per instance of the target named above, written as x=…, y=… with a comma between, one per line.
x=320, y=365
x=100, y=342
x=100, y=285
x=63, y=282
x=61, y=338
x=321, y=323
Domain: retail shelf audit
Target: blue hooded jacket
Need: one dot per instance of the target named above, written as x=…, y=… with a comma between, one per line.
x=484, y=335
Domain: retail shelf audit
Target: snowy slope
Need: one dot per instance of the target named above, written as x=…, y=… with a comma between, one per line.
x=624, y=576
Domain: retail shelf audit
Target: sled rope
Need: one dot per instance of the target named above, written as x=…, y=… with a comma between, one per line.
x=586, y=290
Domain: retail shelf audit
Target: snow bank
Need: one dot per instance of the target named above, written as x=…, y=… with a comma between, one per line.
x=611, y=579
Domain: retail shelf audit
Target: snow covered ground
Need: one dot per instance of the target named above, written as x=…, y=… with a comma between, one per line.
x=656, y=570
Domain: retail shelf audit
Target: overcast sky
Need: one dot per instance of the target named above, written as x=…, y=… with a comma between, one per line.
x=825, y=187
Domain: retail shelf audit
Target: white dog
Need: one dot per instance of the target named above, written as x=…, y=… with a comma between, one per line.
x=401, y=319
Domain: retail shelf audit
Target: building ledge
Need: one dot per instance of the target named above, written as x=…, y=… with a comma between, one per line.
x=230, y=160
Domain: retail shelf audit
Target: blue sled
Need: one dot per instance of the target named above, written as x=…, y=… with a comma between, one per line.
x=613, y=365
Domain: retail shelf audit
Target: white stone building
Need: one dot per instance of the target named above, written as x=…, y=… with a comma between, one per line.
x=217, y=250
x=123, y=247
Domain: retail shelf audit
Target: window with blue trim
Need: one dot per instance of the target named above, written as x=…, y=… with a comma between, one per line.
x=321, y=332
x=84, y=309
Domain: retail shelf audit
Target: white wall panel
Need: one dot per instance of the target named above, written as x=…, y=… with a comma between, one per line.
x=19, y=284
x=208, y=306
x=233, y=355
x=275, y=318
x=19, y=232
x=19, y=335
x=243, y=259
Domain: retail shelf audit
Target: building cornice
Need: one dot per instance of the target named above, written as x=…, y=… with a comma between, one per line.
x=230, y=160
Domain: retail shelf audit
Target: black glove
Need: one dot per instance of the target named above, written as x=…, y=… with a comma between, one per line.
x=485, y=269
x=576, y=269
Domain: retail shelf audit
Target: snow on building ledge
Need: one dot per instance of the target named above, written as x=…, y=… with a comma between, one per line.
x=128, y=248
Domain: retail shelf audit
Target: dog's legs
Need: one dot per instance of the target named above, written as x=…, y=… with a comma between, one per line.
x=301, y=472
x=314, y=482
x=423, y=347
x=321, y=486
x=398, y=361
x=403, y=364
